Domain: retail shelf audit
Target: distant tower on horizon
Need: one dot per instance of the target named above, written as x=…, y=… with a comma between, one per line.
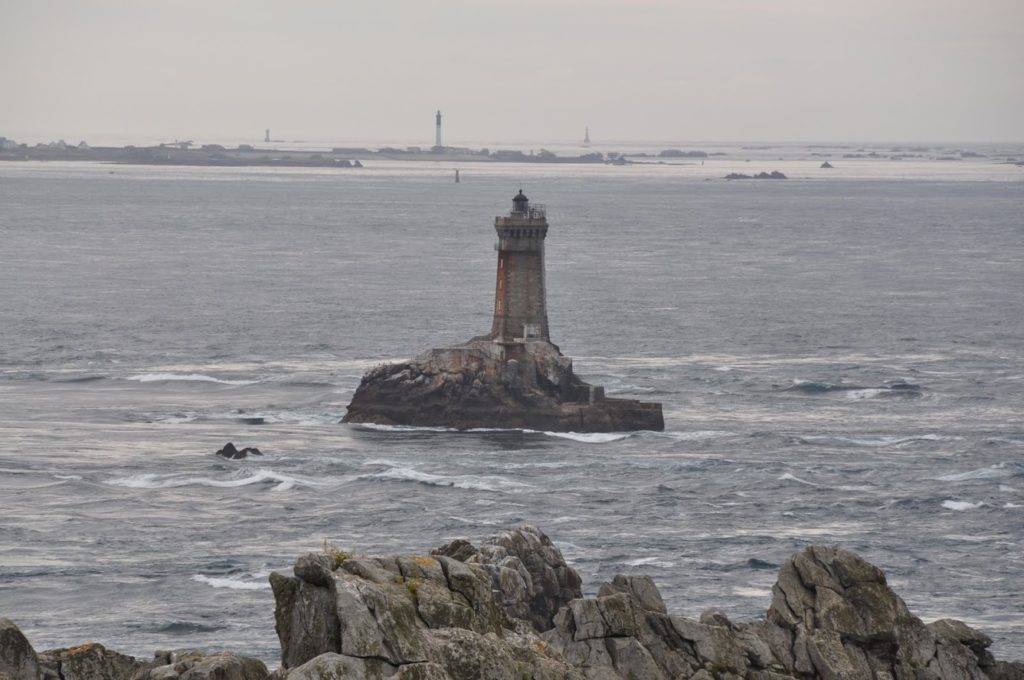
x=266, y=137
x=520, y=304
x=586, y=136
x=437, y=133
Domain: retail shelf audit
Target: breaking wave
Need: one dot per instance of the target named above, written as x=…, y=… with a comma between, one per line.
x=401, y=473
x=189, y=377
x=961, y=505
x=261, y=476
x=997, y=471
x=896, y=389
x=881, y=440
x=590, y=437
x=793, y=478
x=232, y=582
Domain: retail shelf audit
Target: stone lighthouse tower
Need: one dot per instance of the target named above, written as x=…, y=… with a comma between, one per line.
x=520, y=304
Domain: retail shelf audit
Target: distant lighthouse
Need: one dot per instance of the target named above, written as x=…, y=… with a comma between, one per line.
x=437, y=132
x=520, y=305
x=586, y=136
x=266, y=137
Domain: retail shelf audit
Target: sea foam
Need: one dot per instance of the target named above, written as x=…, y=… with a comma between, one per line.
x=961, y=505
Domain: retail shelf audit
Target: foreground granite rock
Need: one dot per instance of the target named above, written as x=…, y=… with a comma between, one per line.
x=483, y=385
x=93, y=661
x=511, y=608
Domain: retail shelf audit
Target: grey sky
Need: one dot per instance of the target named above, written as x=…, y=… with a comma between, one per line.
x=908, y=70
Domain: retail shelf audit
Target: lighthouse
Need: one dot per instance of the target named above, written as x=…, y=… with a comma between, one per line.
x=437, y=131
x=520, y=304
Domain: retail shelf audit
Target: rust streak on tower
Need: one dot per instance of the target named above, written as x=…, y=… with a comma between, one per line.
x=520, y=302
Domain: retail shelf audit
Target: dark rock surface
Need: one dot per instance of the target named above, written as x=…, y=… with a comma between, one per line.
x=471, y=386
x=826, y=166
x=229, y=451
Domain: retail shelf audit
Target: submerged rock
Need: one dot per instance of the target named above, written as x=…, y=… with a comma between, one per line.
x=229, y=451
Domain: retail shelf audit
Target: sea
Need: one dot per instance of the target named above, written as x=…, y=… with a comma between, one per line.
x=840, y=356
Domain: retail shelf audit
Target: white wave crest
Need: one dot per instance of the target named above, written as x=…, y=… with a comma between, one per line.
x=591, y=437
x=650, y=562
x=476, y=482
x=868, y=393
x=752, y=592
x=961, y=505
x=997, y=471
x=232, y=582
x=190, y=377
x=695, y=435
x=794, y=478
x=877, y=441
x=261, y=476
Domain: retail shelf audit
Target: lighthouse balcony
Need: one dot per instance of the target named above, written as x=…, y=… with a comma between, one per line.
x=532, y=216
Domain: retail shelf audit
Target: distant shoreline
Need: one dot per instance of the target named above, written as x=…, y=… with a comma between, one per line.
x=251, y=156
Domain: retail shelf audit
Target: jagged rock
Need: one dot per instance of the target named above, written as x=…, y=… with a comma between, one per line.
x=845, y=622
x=17, y=658
x=332, y=666
x=406, y=612
x=833, y=616
x=91, y=661
x=305, y=618
x=229, y=451
x=197, y=665
x=642, y=589
x=528, y=573
x=826, y=166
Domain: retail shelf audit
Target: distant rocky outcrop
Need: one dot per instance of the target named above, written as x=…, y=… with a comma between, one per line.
x=679, y=153
x=466, y=612
x=774, y=174
x=229, y=451
x=826, y=166
x=467, y=387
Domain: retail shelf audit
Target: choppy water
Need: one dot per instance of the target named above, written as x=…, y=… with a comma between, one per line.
x=840, y=356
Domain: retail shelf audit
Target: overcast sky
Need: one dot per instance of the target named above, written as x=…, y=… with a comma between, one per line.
x=510, y=70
